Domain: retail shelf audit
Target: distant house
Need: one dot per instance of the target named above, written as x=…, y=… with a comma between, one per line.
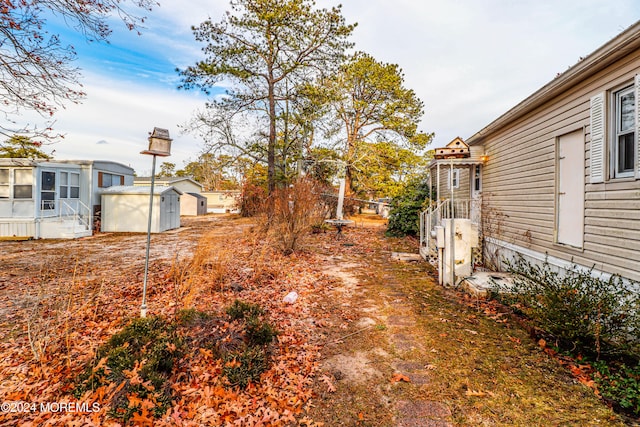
x=126, y=209
x=222, y=201
x=560, y=178
x=54, y=198
x=184, y=184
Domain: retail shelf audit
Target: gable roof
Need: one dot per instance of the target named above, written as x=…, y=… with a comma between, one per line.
x=455, y=149
x=167, y=180
x=130, y=189
x=607, y=54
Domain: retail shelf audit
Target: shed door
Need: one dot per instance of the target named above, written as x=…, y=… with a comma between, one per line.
x=570, y=197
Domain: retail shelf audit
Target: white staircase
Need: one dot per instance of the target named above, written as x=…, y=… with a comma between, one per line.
x=71, y=223
x=430, y=218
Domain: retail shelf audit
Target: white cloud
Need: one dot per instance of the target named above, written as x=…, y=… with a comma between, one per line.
x=469, y=61
x=123, y=114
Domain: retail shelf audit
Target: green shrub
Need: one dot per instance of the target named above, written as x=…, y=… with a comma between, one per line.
x=583, y=312
x=191, y=316
x=620, y=385
x=259, y=332
x=404, y=215
x=153, y=345
x=243, y=368
x=239, y=310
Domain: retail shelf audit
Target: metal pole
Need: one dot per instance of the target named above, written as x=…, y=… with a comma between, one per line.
x=341, y=192
x=452, y=252
x=143, y=307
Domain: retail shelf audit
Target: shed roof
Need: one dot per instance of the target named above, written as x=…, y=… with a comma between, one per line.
x=59, y=163
x=196, y=195
x=166, y=179
x=130, y=189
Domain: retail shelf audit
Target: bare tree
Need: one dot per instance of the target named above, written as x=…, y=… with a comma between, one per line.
x=36, y=67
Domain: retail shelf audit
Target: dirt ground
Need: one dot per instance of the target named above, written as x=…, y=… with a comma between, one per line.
x=393, y=348
x=103, y=257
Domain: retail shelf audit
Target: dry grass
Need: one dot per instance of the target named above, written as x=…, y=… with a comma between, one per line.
x=360, y=320
x=485, y=369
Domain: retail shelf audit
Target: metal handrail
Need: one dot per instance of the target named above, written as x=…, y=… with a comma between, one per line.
x=78, y=217
x=460, y=209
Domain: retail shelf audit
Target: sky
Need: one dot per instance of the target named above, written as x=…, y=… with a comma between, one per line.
x=469, y=61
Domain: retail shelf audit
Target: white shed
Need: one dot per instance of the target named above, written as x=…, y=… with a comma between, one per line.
x=126, y=209
x=193, y=204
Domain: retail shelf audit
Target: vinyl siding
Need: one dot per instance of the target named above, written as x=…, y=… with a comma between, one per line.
x=464, y=186
x=519, y=180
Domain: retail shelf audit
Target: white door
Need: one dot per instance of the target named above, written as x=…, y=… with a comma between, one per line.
x=570, y=197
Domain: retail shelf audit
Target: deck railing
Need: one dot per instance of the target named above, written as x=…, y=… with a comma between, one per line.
x=459, y=209
x=81, y=215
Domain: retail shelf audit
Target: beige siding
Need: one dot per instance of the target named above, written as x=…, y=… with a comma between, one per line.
x=519, y=182
x=464, y=187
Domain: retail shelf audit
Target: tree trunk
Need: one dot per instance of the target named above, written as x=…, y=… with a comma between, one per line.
x=271, y=149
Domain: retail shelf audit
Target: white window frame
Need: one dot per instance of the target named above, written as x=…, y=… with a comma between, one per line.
x=617, y=133
x=456, y=178
x=28, y=182
x=476, y=179
x=5, y=184
x=69, y=189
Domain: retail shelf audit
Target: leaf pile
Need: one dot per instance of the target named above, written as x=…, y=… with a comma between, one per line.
x=220, y=368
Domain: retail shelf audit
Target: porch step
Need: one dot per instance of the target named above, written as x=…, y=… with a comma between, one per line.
x=64, y=229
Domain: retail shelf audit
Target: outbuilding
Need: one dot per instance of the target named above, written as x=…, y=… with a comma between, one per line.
x=193, y=204
x=126, y=209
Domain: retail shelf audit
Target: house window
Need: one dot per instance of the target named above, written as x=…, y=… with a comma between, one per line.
x=623, y=150
x=69, y=185
x=456, y=178
x=4, y=183
x=477, y=182
x=108, y=179
x=23, y=184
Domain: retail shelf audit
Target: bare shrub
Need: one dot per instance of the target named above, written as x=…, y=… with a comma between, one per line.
x=207, y=269
x=252, y=199
x=295, y=210
x=491, y=226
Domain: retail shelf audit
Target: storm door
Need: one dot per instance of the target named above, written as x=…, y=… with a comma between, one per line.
x=570, y=189
x=48, y=192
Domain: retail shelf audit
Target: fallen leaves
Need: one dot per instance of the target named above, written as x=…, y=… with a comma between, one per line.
x=398, y=377
x=330, y=387
x=251, y=271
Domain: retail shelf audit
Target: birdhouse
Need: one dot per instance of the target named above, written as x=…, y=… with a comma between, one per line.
x=159, y=143
x=455, y=149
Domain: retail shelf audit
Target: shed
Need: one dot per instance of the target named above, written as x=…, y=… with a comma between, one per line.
x=193, y=204
x=184, y=183
x=126, y=209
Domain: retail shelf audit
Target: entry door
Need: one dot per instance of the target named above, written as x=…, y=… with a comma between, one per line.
x=48, y=205
x=570, y=197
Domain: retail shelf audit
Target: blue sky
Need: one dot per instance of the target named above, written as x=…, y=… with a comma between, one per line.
x=468, y=60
